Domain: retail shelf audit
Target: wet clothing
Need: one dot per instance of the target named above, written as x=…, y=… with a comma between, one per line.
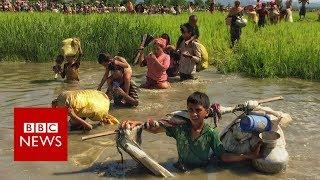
x=186, y=76
x=133, y=92
x=153, y=71
x=71, y=72
x=151, y=84
x=173, y=69
x=187, y=65
x=195, y=153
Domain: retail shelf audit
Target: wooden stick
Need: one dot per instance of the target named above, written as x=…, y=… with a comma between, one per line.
x=270, y=99
x=107, y=133
x=144, y=38
x=135, y=61
x=99, y=135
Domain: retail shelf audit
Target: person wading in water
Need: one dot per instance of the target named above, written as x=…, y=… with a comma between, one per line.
x=198, y=144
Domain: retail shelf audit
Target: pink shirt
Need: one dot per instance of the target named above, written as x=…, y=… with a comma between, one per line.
x=154, y=72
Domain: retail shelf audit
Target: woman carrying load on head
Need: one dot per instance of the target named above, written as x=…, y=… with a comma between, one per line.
x=235, y=30
x=71, y=52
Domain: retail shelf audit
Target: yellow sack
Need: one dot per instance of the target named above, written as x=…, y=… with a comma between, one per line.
x=91, y=104
x=71, y=47
x=204, y=64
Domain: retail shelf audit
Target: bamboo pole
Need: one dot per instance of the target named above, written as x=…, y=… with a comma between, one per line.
x=270, y=99
x=107, y=133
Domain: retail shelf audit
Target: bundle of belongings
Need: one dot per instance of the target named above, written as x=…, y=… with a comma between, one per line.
x=263, y=123
x=71, y=47
x=90, y=104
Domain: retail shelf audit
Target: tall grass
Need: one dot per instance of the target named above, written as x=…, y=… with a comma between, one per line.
x=286, y=49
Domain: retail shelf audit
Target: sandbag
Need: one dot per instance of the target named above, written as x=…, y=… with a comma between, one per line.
x=204, y=64
x=71, y=47
x=91, y=104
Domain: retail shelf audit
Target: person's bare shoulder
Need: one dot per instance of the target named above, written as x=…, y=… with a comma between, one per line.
x=122, y=59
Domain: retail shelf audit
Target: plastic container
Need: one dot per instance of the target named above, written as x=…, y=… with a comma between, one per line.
x=255, y=123
x=269, y=138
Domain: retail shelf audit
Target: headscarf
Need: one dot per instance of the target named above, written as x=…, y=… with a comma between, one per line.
x=161, y=42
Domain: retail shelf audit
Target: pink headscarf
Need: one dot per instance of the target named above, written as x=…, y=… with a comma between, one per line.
x=161, y=42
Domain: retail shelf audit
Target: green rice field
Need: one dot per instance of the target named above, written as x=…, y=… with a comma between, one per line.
x=282, y=50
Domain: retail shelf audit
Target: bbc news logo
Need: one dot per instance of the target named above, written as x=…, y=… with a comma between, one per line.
x=40, y=134
x=36, y=141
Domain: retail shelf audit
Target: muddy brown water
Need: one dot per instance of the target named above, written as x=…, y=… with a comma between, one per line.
x=30, y=84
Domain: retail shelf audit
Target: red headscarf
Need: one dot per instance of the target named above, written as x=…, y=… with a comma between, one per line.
x=161, y=42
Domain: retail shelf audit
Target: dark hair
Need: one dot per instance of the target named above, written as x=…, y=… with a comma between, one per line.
x=186, y=28
x=237, y=3
x=59, y=59
x=199, y=98
x=104, y=57
x=193, y=17
x=166, y=37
